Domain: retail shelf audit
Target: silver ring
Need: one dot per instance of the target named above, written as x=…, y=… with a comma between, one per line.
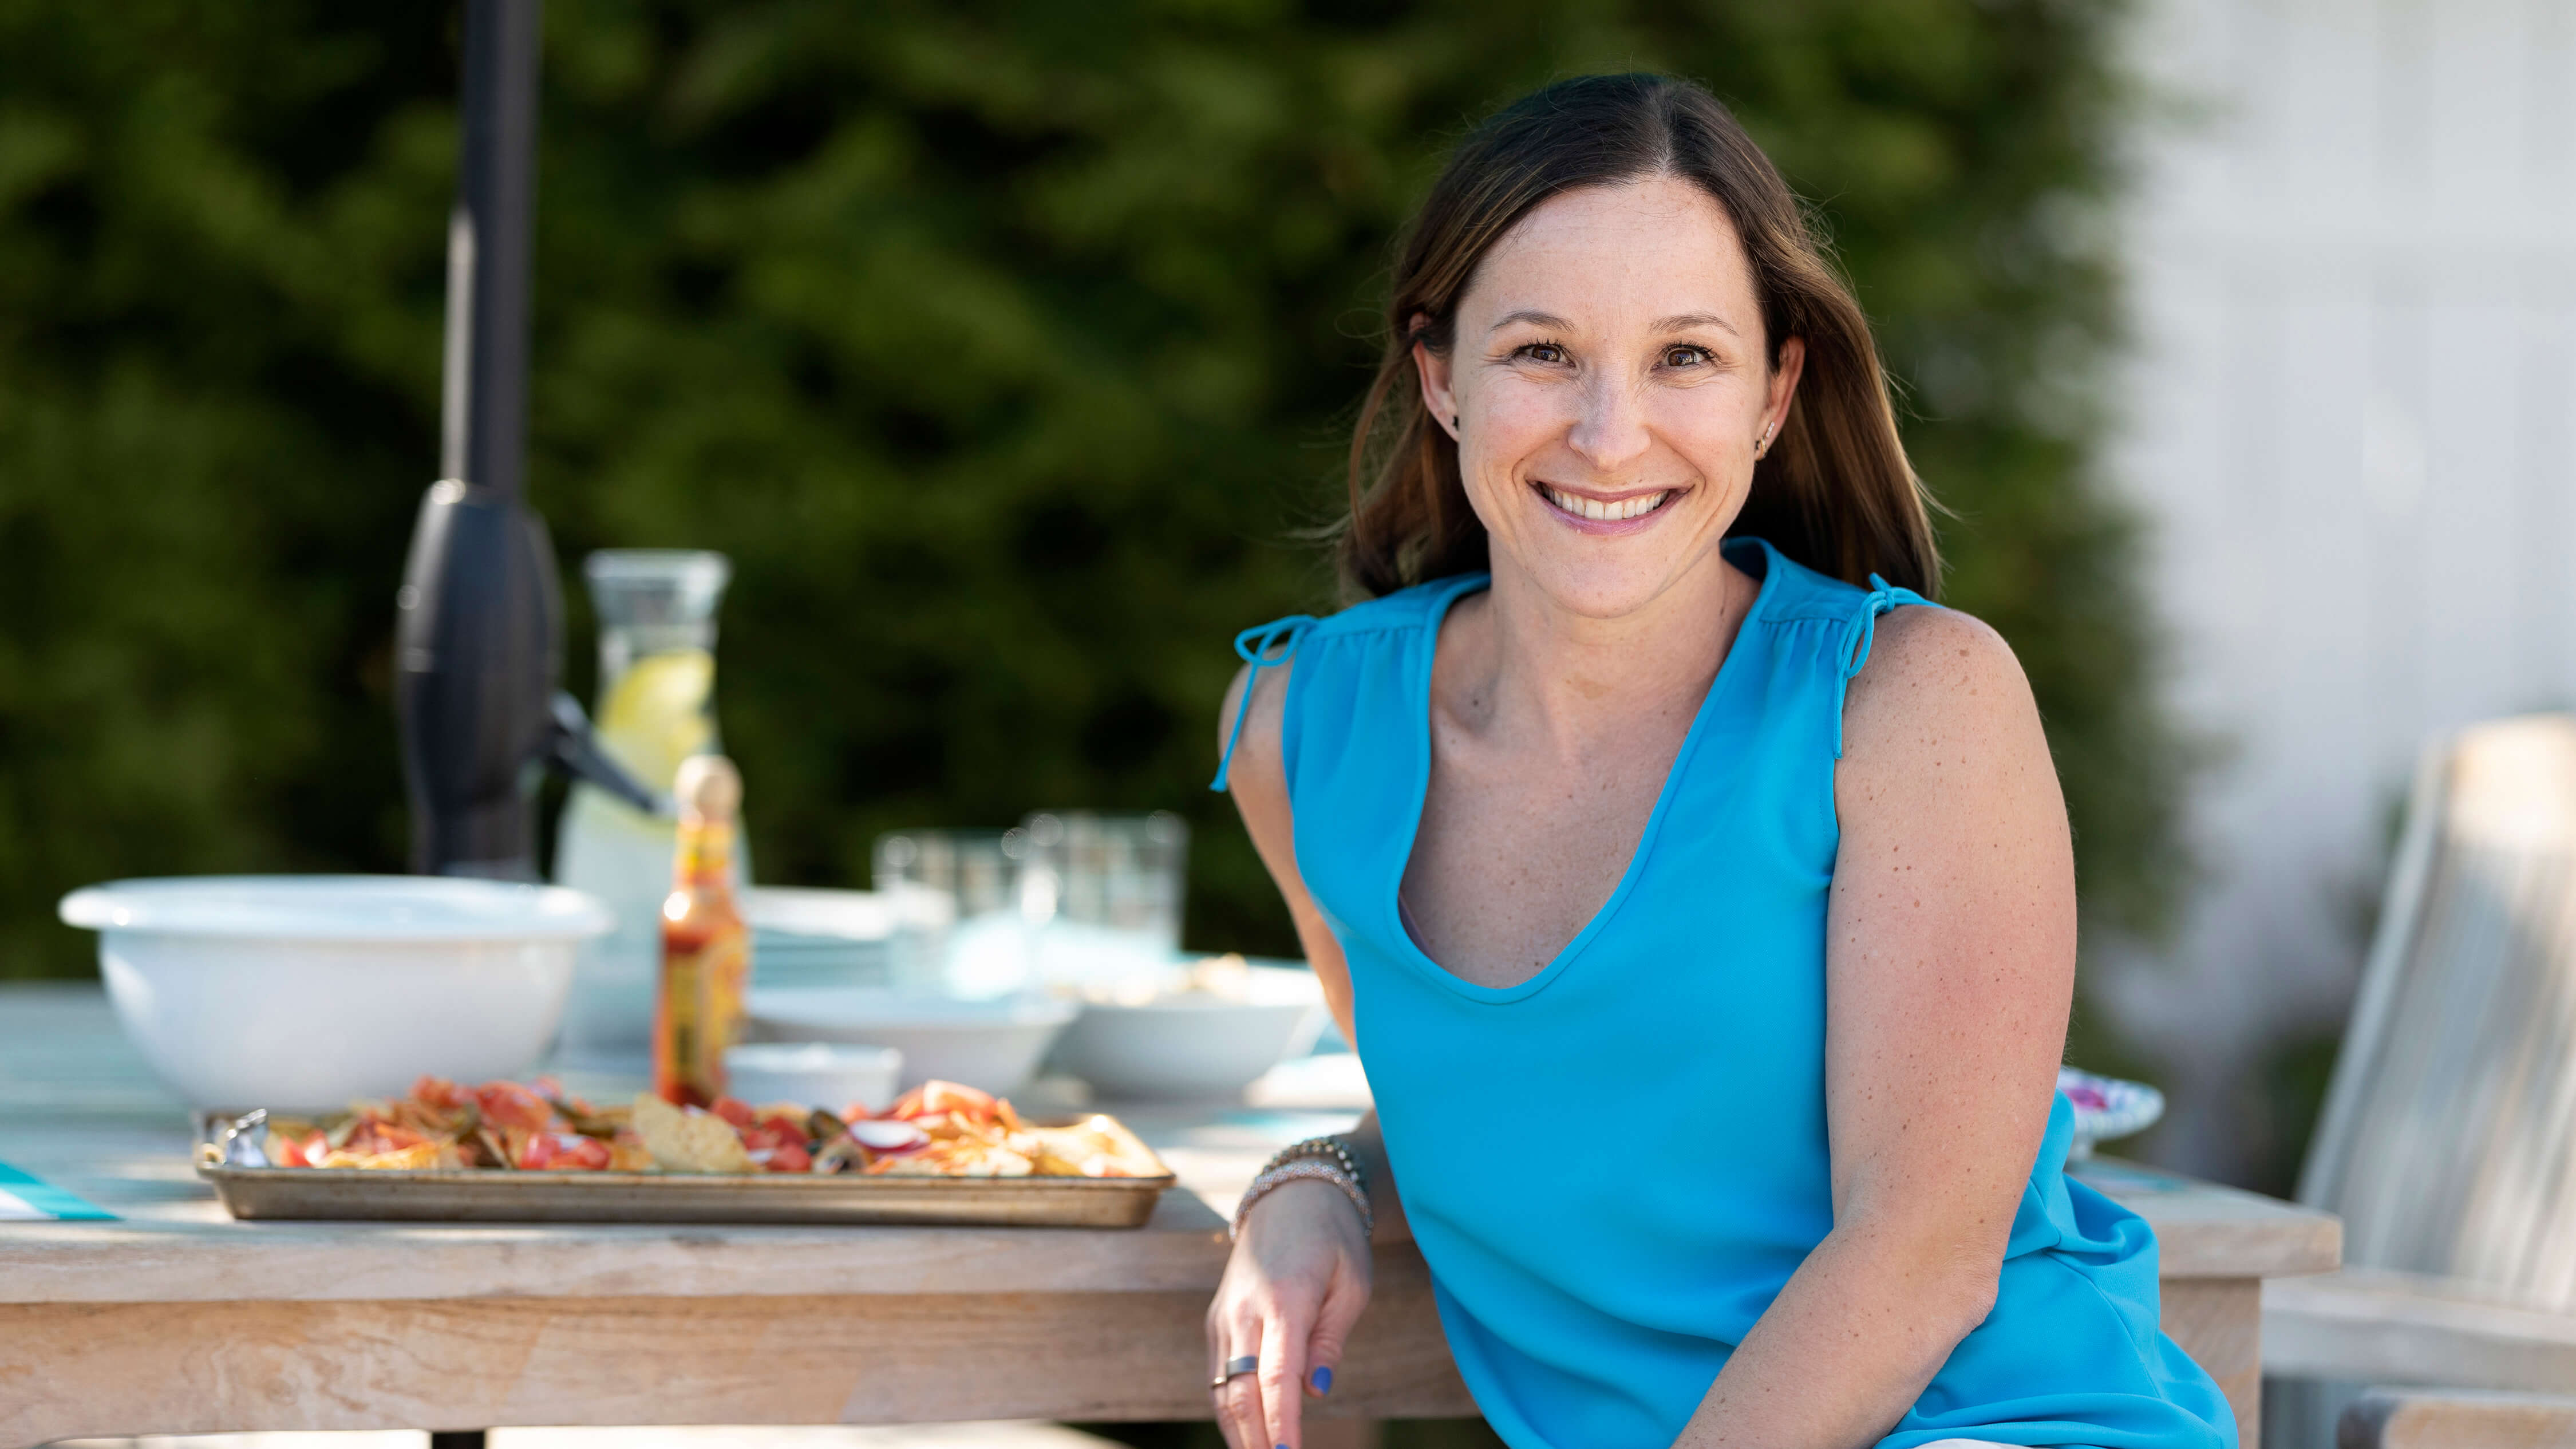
x=1236, y=1368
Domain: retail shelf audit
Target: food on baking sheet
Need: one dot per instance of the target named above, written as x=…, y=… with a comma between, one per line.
x=443, y=1125
x=966, y=1133
x=939, y=1129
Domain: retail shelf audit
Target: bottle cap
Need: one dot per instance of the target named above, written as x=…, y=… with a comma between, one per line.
x=708, y=788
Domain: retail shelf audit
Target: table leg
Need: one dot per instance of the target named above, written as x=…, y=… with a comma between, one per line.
x=456, y=1439
x=2219, y=1322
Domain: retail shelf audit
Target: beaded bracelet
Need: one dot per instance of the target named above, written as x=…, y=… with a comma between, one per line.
x=1322, y=1159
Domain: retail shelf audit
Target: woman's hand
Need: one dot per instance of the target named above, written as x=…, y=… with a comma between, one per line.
x=1296, y=1283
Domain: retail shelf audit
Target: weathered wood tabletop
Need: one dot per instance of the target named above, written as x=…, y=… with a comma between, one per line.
x=177, y=1319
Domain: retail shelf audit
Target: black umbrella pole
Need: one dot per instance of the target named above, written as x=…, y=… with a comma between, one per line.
x=484, y=420
x=477, y=638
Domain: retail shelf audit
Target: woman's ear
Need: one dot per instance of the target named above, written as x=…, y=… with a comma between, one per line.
x=1433, y=369
x=1784, y=382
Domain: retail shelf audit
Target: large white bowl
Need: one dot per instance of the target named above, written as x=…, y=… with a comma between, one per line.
x=306, y=991
x=991, y=1045
x=1191, y=1045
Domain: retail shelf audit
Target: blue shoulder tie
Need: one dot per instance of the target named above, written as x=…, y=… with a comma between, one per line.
x=1261, y=646
x=1883, y=596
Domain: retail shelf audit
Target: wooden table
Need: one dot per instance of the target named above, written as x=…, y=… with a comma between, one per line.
x=179, y=1320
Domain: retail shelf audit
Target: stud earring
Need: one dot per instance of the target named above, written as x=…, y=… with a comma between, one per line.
x=1456, y=421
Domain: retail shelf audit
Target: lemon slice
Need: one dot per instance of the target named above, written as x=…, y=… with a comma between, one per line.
x=656, y=716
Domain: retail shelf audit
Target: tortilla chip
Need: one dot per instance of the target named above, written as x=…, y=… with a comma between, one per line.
x=1097, y=1146
x=684, y=1141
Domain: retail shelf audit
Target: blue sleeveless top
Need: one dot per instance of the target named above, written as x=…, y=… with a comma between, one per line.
x=1679, y=1040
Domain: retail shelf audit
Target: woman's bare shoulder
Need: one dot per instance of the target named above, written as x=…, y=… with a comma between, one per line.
x=1940, y=687
x=1257, y=775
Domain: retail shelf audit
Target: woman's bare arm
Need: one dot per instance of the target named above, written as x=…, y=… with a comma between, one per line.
x=1949, y=969
x=1299, y=1276
x=1258, y=780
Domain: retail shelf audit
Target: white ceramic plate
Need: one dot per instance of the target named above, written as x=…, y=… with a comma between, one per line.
x=992, y=1045
x=2107, y=1108
x=799, y=913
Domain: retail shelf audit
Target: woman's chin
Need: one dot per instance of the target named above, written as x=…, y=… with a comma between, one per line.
x=1597, y=578
x=1597, y=588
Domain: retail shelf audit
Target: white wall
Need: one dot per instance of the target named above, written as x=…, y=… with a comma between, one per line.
x=2348, y=420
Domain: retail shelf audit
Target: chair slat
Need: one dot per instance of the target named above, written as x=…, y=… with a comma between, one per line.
x=2449, y=1143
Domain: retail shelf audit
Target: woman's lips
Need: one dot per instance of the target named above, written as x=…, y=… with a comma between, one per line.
x=1599, y=516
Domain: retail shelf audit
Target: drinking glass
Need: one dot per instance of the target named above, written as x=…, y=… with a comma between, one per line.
x=962, y=915
x=1108, y=889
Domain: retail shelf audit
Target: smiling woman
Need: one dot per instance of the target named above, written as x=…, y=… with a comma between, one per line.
x=1622, y=790
x=1832, y=488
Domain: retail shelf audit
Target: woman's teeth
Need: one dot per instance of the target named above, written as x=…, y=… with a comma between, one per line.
x=1580, y=507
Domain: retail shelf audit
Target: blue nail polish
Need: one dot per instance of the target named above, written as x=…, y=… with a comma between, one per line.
x=1322, y=1378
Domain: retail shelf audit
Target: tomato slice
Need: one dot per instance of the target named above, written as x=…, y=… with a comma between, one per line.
x=507, y=1104
x=564, y=1152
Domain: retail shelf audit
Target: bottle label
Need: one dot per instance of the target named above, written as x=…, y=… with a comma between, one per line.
x=699, y=1014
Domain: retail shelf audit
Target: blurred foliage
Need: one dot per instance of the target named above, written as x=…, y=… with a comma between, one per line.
x=1005, y=347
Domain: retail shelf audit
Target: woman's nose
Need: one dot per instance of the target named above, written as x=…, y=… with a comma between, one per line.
x=1611, y=433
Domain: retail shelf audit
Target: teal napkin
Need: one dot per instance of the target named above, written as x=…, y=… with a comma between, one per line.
x=25, y=1198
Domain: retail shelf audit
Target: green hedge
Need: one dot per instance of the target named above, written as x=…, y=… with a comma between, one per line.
x=1005, y=347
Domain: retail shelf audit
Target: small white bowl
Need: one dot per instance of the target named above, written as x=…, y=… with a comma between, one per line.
x=827, y=1074
x=303, y=992
x=991, y=1045
x=1194, y=1046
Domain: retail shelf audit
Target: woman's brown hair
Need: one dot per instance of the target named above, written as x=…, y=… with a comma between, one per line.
x=1835, y=492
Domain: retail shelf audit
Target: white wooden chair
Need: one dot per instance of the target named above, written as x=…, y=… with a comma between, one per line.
x=2457, y=1419
x=2448, y=1141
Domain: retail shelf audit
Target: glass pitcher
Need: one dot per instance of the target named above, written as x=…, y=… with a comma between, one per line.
x=655, y=707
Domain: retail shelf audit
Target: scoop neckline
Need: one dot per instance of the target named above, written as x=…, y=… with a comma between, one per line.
x=1426, y=650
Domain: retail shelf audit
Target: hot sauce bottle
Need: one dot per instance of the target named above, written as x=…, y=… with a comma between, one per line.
x=706, y=948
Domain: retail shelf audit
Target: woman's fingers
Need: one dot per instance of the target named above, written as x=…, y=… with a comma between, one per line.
x=1334, y=1319
x=1240, y=1412
x=1283, y=1366
x=1238, y=1398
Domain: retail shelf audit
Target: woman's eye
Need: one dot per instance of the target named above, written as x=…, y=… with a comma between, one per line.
x=1541, y=352
x=1685, y=356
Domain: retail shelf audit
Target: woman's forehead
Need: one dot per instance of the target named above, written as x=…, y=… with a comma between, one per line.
x=1637, y=251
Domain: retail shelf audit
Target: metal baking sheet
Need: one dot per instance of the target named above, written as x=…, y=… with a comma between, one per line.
x=489, y=1195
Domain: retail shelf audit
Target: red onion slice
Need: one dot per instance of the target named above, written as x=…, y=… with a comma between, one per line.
x=877, y=1134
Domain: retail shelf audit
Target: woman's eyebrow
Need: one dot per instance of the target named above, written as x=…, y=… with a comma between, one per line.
x=1688, y=320
x=1548, y=320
